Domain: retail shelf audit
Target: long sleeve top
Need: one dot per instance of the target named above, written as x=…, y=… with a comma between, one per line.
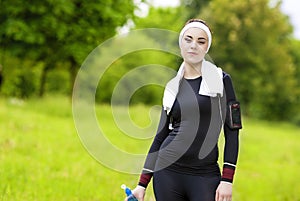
x=187, y=139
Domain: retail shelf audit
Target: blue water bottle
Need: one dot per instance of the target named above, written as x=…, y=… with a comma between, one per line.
x=130, y=196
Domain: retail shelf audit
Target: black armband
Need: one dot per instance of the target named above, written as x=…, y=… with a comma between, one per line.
x=234, y=115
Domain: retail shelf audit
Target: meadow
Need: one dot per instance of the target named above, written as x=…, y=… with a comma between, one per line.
x=42, y=157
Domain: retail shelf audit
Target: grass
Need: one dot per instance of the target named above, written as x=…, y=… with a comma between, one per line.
x=42, y=157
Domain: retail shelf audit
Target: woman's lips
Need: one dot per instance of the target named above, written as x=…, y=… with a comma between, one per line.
x=192, y=53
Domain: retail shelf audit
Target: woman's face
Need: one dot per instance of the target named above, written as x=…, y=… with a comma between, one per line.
x=194, y=45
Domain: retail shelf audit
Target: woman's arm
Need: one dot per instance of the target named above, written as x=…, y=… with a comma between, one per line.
x=162, y=133
x=231, y=136
x=231, y=149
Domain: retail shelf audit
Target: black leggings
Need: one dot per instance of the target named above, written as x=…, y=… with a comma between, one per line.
x=173, y=186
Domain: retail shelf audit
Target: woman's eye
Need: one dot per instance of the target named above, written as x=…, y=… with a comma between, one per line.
x=201, y=42
x=187, y=39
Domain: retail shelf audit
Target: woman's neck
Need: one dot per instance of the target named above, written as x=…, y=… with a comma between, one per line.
x=192, y=70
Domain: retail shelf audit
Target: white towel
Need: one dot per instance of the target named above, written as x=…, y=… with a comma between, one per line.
x=211, y=85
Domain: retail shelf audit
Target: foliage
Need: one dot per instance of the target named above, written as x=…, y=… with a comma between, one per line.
x=117, y=71
x=191, y=8
x=21, y=79
x=172, y=21
x=295, y=53
x=54, y=31
x=129, y=68
x=251, y=41
x=129, y=71
x=58, y=81
x=163, y=18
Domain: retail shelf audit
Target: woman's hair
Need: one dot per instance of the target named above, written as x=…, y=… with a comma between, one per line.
x=198, y=20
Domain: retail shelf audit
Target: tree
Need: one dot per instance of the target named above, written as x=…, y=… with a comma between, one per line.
x=191, y=8
x=56, y=32
x=130, y=62
x=295, y=53
x=251, y=43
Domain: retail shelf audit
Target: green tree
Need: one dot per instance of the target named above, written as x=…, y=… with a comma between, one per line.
x=134, y=66
x=125, y=64
x=163, y=18
x=57, y=32
x=295, y=53
x=251, y=42
x=191, y=8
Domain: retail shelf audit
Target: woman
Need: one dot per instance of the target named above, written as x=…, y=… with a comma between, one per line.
x=183, y=156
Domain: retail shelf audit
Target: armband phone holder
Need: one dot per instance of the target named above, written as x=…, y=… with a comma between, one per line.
x=235, y=121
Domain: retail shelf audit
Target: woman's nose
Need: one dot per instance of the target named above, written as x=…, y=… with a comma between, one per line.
x=194, y=44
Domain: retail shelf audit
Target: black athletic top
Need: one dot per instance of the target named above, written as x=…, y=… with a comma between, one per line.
x=194, y=122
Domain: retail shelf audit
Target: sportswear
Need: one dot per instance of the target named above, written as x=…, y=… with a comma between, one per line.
x=193, y=121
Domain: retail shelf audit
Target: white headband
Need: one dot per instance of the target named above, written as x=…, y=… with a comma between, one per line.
x=196, y=25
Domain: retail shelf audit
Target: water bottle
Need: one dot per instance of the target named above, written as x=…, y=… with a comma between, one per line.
x=130, y=196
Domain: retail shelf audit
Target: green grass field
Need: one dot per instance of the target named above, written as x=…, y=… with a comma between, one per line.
x=43, y=159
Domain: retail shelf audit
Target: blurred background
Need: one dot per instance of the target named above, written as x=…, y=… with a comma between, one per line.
x=44, y=43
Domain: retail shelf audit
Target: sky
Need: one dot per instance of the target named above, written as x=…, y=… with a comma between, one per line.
x=288, y=7
x=292, y=8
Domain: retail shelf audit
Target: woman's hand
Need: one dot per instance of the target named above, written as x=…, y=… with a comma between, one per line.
x=224, y=191
x=139, y=193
